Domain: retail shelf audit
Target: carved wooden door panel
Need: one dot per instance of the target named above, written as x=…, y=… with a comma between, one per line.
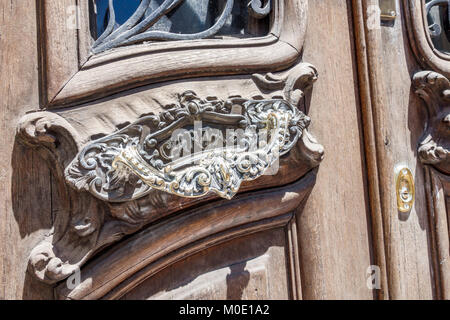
x=429, y=32
x=229, y=149
x=150, y=173
x=404, y=62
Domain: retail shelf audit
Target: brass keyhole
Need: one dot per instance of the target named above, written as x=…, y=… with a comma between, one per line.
x=405, y=190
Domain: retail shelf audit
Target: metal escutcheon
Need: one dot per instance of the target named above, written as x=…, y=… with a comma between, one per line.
x=405, y=189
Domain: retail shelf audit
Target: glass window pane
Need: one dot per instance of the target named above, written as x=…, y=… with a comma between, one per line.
x=438, y=23
x=189, y=17
x=123, y=9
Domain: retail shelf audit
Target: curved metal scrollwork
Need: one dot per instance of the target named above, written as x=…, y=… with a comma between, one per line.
x=115, y=185
x=183, y=151
x=258, y=10
x=434, y=148
x=435, y=28
x=137, y=27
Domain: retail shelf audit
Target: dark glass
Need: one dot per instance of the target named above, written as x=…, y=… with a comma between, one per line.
x=438, y=22
x=123, y=9
x=191, y=16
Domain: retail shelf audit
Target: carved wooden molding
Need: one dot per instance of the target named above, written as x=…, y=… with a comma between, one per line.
x=91, y=221
x=420, y=39
x=122, y=268
x=71, y=75
x=128, y=164
x=438, y=197
x=434, y=89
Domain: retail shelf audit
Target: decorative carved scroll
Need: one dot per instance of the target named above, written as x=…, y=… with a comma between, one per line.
x=434, y=150
x=135, y=29
x=105, y=195
x=434, y=89
x=258, y=10
x=128, y=164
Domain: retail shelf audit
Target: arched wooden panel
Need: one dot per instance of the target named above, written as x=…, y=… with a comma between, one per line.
x=118, y=270
x=253, y=267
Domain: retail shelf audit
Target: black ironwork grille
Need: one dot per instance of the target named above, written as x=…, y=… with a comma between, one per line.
x=438, y=16
x=125, y=22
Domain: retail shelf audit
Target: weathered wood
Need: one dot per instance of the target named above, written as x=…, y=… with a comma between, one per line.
x=24, y=178
x=210, y=224
x=93, y=216
x=272, y=240
x=438, y=194
x=433, y=152
x=406, y=236
x=333, y=227
x=251, y=267
x=67, y=81
x=422, y=46
x=58, y=45
x=373, y=183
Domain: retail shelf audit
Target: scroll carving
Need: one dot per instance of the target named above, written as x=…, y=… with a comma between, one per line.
x=127, y=165
x=108, y=193
x=434, y=89
x=434, y=149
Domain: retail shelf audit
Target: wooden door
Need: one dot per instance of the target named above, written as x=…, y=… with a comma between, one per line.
x=224, y=150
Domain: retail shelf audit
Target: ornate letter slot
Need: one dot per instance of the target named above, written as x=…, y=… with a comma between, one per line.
x=195, y=147
x=171, y=156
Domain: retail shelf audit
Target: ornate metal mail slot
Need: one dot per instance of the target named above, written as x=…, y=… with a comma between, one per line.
x=188, y=146
x=195, y=147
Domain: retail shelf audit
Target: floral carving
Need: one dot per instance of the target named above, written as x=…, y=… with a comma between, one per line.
x=105, y=196
x=127, y=165
x=434, y=148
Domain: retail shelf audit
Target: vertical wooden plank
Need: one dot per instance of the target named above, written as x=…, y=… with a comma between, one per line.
x=334, y=225
x=85, y=25
x=59, y=23
x=370, y=147
x=437, y=188
x=294, y=259
x=24, y=178
x=398, y=117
